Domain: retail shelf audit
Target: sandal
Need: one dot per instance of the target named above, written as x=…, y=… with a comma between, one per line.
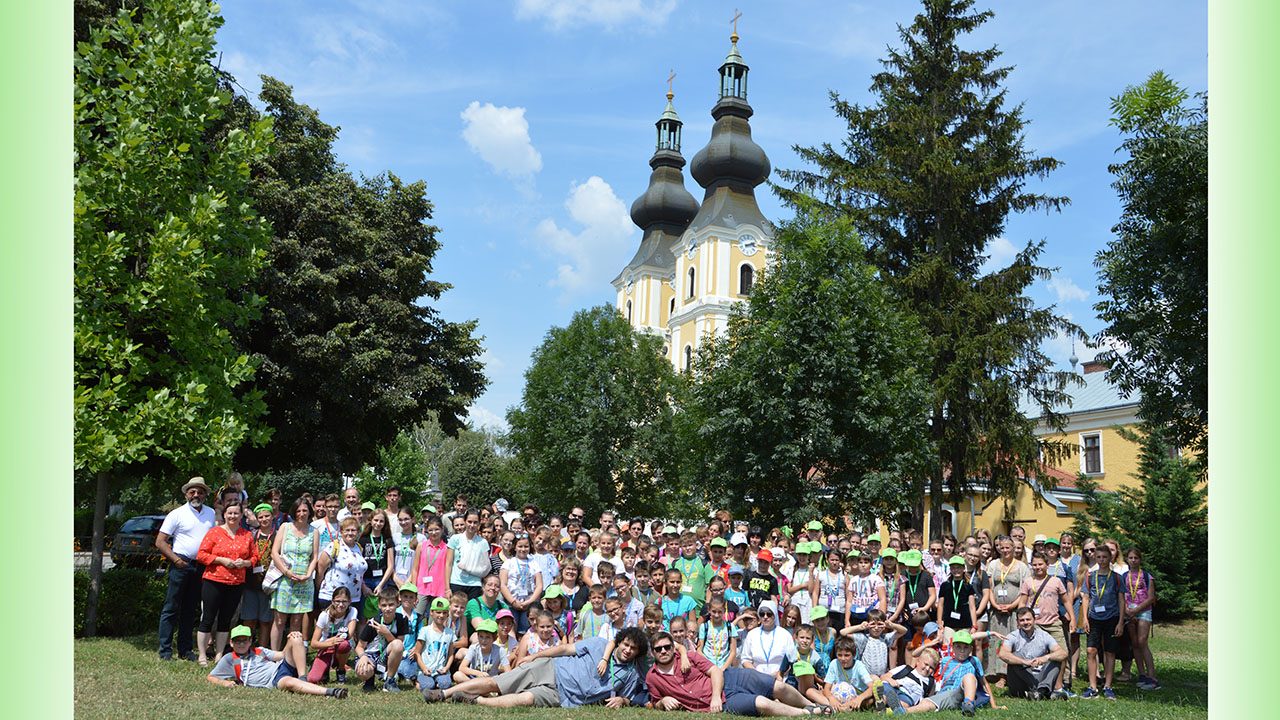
x=202, y=662
x=816, y=709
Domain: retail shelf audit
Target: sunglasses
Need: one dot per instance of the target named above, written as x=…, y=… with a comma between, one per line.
x=662, y=648
x=765, y=614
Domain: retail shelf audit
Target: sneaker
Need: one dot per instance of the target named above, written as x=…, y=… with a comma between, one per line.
x=1067, y=694
x=1152, y=684
x=463, y=698
x=189, y=656
x=877, y=692
x=1089, y=693
x=342, y=677
x=389, y=685
x=1108, y=693
x=166, y=658
x=432, y=695
x=966, y=708
x=338, y=692
x=369, y=686
x=1032, y=695
x=1058, y=695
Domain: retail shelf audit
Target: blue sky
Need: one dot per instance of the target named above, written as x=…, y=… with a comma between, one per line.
x=532, y=122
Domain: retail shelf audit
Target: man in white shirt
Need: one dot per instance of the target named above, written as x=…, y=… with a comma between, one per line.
x=352, y=500
x=179, y=540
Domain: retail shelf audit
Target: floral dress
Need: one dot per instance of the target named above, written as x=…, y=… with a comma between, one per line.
x=292, y=598
x=346, y=570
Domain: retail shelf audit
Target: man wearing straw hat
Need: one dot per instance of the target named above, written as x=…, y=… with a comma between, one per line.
x=178, y=541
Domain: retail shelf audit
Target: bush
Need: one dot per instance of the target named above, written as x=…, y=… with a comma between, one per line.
x=291, y=484
x=129, y=603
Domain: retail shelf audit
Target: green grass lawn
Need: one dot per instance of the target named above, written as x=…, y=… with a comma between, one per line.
x=121, y=678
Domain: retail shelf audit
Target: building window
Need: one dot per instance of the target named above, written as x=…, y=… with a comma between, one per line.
x=688, y=358
x=746, y=278
x=671, y=308
x=1092, y=458
x=628, y=311
x=691, y=283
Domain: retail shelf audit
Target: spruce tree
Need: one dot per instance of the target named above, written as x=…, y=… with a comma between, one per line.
x=928, y=175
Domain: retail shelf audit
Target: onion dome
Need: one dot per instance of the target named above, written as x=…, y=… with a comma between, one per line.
x=665, y=205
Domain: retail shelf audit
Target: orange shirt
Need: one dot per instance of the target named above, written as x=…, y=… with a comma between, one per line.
x=217, y=543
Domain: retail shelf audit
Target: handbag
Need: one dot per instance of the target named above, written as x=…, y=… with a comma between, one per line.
x=271, y=580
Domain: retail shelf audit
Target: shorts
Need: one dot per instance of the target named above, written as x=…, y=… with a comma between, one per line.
x=1055, y=631
x=285, y=670
x=255, y=605
x=537, y=677
x=1102, y=634
x=408, y=668
x=741, y=688
x=1144, y=615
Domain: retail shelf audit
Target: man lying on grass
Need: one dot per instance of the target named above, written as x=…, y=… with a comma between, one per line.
x=263, y=668
x=563, y=676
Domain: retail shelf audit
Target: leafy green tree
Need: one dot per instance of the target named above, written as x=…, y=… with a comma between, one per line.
x=402, y=464
x=1154, y=276
x=928, y=176
x=813, y=403
x=474, y=468
x=166, y=244
x=291, y=483
x=595, y=423
x=1166, y=517
x=351, y=350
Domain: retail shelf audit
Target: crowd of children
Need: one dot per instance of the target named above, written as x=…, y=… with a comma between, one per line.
x=851, y=621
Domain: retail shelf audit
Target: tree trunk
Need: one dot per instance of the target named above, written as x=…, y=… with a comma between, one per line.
x=95, y=562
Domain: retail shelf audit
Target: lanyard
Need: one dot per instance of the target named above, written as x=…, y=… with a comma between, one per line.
x=1133, y=589
x=488, y=612
x=687, y=577
x=955, y=593
x=440, y=549
x=714, y=636
x=379, y=548
x=912, y=586
x=890, y=593
x=1005, y=574
x=773, y=638
x=1097, y=575
x=824, y=648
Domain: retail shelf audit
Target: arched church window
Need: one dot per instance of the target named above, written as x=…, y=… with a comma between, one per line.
x=692, y=284
x=746, y=279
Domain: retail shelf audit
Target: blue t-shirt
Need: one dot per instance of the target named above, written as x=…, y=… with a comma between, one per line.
x=1104, y=594
x=579, y=684
x=435, y=646
x=676, y=608
x=738, y=597
x=952, y=672
x=858, y=676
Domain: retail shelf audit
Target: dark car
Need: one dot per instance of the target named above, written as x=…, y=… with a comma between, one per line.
x=135, y=543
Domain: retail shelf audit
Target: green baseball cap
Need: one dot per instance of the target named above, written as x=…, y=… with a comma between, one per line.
x=786, y=530
x=814, y=525
x=818, y=613
x=962, y=636
x=262, y=507
x=889, y=552
x=553, y=592
x=368, y=506
x=241, y=631
x=719, y=542
x=955, y=560
x=670, y=530
x=440, y=604
x=409, y=587
x=873, y=537
x=431, y=509
x=1053, y=541
x=486, y=625
x=910, y=558
x=802, y=668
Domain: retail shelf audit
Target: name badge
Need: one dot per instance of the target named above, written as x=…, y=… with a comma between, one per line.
x=686, y=588
x=1100, y=608
x=1002, y=592
x=381, y=668
x=914, y=606
x=955, y=615
x=860, y=609
x=377, y=572
x=427, y=579
x=259, y=568
x=1133, y=606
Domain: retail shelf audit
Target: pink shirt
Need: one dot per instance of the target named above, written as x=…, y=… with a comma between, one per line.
x=691, y=689
x=430, y=577
x=1047, y=604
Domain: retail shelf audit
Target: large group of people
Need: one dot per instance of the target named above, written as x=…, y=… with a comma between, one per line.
x=507, y=607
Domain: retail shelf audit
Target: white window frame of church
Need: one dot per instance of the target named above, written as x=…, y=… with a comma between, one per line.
x=751, y=285
x=692, y=283
x=1084, y=454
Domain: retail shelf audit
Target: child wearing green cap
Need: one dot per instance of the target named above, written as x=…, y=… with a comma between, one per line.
x=263, y=668
x=433, y=648
x=804, y=579
x=958, y=604
x=486, y=658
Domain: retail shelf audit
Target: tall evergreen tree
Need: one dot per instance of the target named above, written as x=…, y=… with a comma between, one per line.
x=928, y=176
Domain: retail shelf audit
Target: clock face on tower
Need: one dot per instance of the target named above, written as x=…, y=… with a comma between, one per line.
x=693, y=250
x=748, y=245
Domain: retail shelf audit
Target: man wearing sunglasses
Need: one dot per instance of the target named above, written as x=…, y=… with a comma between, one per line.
x=704, y=687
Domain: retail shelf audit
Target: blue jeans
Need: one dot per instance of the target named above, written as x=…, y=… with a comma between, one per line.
x=180, y=605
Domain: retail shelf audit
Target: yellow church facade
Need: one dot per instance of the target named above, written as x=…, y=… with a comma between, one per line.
x=697, y=260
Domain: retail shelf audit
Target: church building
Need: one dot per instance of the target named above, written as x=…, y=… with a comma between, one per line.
x=696, y=260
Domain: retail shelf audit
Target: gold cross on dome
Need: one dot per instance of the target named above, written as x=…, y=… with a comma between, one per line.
x=736, y=15
x=673, y=77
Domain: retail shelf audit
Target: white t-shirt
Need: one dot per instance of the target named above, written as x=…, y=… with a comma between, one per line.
x=595, y=558
x=330, y=627
x=767, y=650
x=186, y=528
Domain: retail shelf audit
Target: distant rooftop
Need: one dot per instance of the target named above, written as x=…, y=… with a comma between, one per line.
x=1096, y=394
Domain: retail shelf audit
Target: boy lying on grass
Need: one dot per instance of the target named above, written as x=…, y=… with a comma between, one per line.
x=263, y=668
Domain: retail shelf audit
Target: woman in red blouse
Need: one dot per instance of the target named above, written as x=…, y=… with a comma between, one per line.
x=225, y=552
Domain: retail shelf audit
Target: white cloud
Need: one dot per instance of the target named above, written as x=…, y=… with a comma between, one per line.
x=1066, y=290
x=491, y=361
x=1000, y=252
x=500, y=135
x=482, y=417
x=588, y=256
x=606, y=13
